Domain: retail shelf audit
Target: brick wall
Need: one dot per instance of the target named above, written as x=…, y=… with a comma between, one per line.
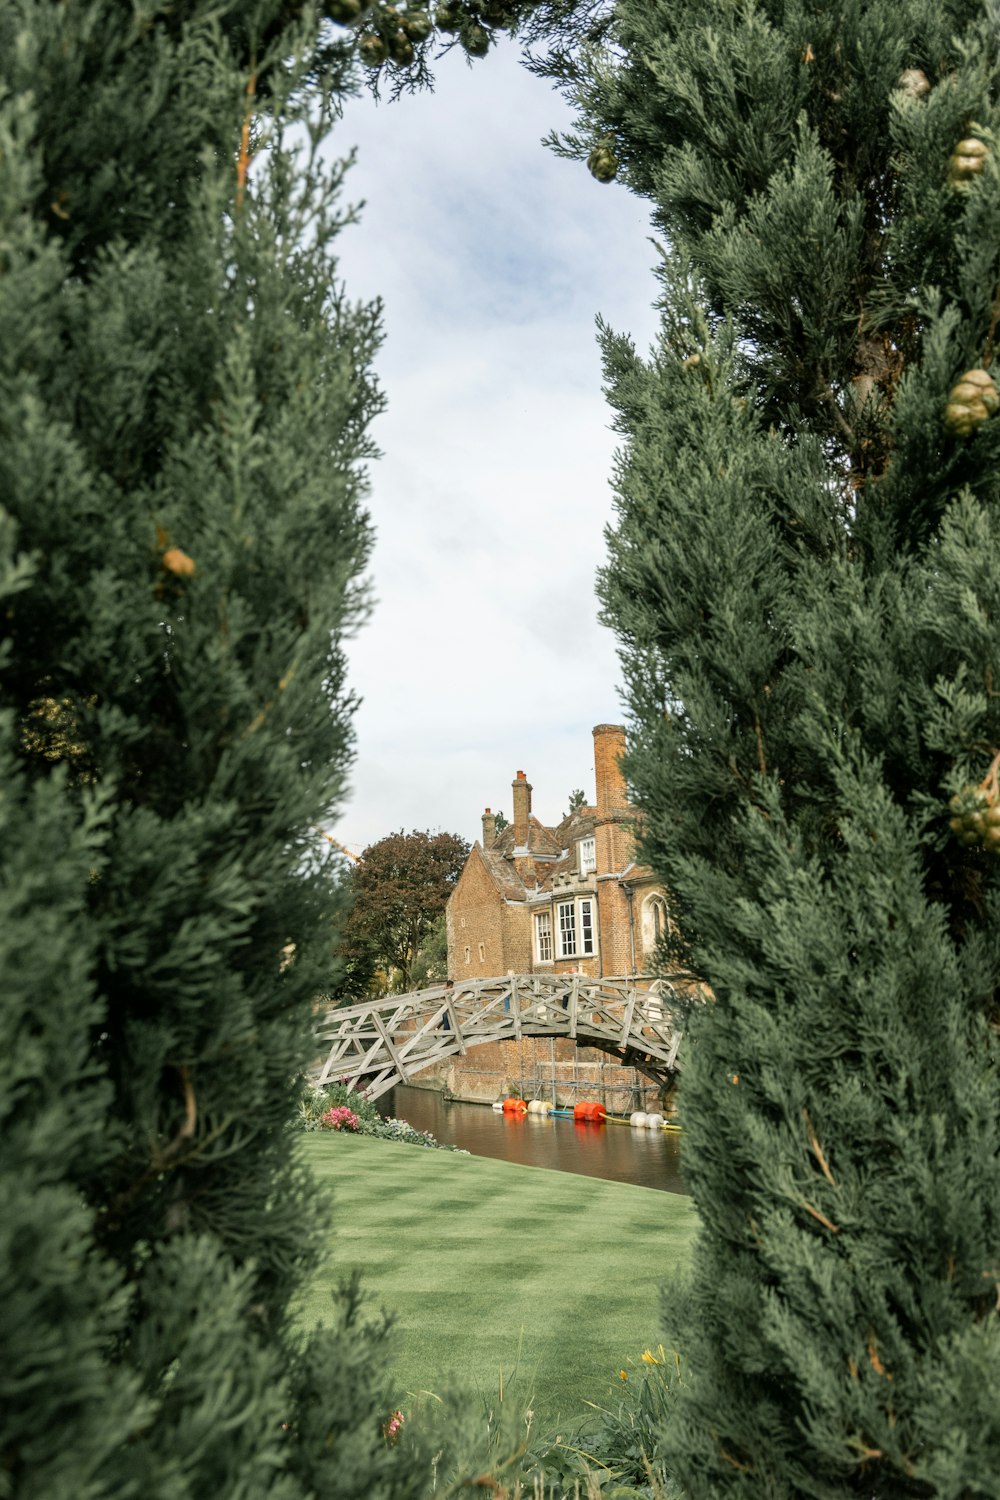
x=542, y=1068
x=616, y=948
x=517, y=943
x=481, y=923
x=475, y=925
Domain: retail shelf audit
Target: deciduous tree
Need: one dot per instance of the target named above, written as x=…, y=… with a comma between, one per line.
x=399, y=888
x=431, y=962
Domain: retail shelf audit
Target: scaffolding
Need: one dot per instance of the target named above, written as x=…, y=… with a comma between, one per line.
x=568, y=1083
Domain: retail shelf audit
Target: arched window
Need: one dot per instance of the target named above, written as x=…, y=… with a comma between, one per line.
x=655, y=920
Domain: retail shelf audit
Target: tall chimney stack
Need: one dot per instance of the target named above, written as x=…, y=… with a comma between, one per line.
x=489, y=828
x=609, y=747
x=521, y=788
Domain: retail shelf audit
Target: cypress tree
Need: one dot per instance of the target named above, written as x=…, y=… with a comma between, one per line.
x=804, y=573
x=185, y=397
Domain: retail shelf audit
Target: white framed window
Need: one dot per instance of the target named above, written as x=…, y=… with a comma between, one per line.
x=655, y=923
x=482, y=953
x=566, y=913
x=588, y=856
x=577, y=928
x=543, y=937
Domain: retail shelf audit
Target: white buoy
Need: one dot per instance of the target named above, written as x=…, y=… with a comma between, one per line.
x=637, y=1119
x=498, y=1105
x=534, y=1108
x=654, y=1122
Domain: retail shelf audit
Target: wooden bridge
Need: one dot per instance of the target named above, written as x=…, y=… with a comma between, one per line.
x=374, y=1046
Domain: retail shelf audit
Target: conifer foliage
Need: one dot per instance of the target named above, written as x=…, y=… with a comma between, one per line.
x=185, y=397
x=805, y=577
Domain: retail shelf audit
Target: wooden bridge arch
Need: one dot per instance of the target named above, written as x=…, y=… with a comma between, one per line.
x=374, y=1046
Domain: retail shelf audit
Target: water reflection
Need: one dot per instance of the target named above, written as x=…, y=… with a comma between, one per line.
x=644, y=1157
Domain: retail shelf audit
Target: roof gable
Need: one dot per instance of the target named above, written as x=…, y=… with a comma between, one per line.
x=485, y=868
x=542, y=841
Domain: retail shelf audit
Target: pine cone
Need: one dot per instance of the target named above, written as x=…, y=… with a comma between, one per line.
x=418, y=26
x=914, y=83
x=176, y=560
x=344, y=11
x=401, y=50
x=975, y=818
x=603, y=163
x=475, y=40
x=966, y=162
x=373, y=50
x=970, y=402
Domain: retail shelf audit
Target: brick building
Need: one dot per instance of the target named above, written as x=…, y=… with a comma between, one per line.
x=562, y=900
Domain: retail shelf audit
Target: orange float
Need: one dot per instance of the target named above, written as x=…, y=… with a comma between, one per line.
x=595, y=1112
x=515, y=1107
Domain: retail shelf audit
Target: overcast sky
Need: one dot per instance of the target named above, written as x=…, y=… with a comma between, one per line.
x=483, y=655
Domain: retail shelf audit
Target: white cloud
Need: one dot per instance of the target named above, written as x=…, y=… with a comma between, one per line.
x=492, y=256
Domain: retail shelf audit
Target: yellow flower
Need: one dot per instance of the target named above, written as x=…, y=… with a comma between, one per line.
x=649, y=1358
x=622, y=1374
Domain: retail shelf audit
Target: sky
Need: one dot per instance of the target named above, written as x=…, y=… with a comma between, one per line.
x=483, y=654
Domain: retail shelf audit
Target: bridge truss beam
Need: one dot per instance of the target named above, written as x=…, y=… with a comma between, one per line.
x=372, y=1047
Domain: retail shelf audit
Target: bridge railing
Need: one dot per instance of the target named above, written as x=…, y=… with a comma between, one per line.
x=383, y=1042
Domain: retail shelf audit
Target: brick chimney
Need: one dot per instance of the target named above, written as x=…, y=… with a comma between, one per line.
x=609, y=747
x=489, y=828
x=521, y=788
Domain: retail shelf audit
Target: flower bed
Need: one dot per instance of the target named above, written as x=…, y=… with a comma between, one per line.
x=334, y=1108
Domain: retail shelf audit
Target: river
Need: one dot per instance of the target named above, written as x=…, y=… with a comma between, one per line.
x=648, y=1158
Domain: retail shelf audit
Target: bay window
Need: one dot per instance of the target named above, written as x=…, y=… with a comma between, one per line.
x=576, y=928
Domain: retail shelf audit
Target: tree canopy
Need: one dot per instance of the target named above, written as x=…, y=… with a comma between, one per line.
x=399, y=889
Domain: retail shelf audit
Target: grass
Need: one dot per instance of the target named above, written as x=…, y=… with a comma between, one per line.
x=488, y=1266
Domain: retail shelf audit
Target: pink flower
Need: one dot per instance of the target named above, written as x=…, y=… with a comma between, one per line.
x=390, y=1429
x=340, y=1118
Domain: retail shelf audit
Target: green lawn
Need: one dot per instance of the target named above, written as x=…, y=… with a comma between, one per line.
x=476, y=1257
